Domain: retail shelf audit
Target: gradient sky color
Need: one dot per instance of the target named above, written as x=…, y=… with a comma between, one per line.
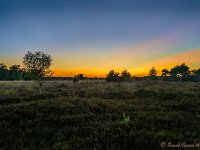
x=95, y=36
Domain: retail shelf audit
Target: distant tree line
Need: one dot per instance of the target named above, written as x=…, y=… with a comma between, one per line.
x=181, y=73
x=178, y=73
x=36, y=67
x=13, y=73
x=113, y=76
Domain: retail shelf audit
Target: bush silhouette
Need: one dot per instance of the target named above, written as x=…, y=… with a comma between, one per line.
x=125, y=75
x=15, y=73
x=79, y=77
x=113, y=76
x=180, y=72
x=153, y=72
x=3, y=72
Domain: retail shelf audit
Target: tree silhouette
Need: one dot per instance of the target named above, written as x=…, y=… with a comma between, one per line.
x=125, y=75
x=153, y=72
x=112, y=76
x=181, y=72
x=15, y=73
x=3, y=72
x=37, y=64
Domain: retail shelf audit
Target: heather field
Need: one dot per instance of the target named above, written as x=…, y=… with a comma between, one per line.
x=96, y=115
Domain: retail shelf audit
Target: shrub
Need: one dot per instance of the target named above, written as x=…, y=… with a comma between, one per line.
x=79, y=77
x=113, y=76
x=125, y=75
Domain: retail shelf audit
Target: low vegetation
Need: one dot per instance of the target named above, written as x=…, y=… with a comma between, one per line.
x=94, y=114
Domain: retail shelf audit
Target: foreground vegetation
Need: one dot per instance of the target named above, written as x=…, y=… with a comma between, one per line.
x=98, y=115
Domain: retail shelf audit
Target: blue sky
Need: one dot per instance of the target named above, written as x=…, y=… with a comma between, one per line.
x=88, y=35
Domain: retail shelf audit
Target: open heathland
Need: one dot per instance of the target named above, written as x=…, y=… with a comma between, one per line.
x=96, y=115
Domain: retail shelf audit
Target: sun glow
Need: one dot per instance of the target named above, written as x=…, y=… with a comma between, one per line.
x=190, y=57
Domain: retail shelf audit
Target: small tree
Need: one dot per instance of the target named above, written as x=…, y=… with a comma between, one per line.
x=112, y=76
x=153, y=72
x=125, y=75
x=37, y=66
x=181, y=72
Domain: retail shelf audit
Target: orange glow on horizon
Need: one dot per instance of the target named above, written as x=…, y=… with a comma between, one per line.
x=190, y=57
x=94, y=65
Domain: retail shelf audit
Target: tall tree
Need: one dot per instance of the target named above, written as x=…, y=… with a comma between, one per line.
x=37, y=64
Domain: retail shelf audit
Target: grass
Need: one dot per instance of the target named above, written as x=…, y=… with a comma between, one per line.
x=97, y=115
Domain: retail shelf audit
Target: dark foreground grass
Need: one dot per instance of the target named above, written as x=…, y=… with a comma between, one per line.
x=98, y=115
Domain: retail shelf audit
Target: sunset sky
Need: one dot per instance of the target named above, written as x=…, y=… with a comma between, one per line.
x=95, y=36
